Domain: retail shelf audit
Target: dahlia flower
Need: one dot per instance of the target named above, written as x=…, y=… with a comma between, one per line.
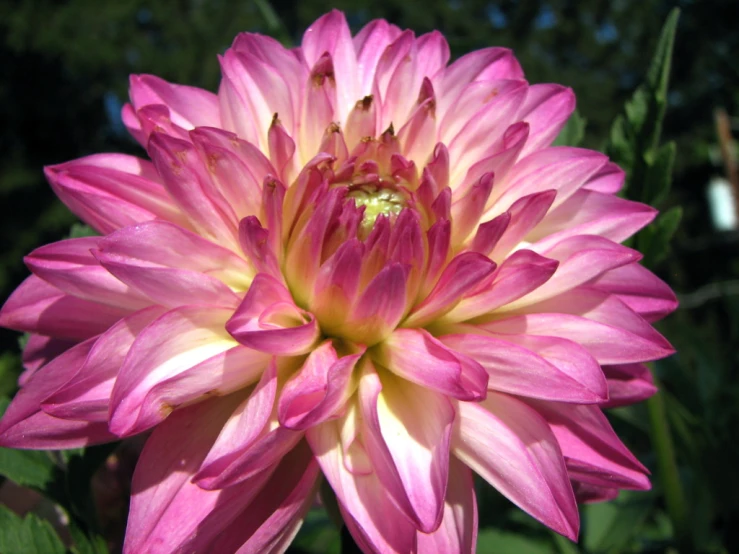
x=355, y=263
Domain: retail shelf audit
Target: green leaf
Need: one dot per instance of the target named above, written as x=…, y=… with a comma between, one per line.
x=84, y=544
x=654, y=241
x=493, y=541
x=573, y=131
x=10, y=365
x=28, y=468
x=658, y=76
x=30, y=535
x=659, y=175
x=609, y=526
x=80, y=230
x=318, y=534
x=634, y=137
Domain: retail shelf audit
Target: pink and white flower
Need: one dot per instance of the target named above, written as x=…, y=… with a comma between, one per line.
x=356, y=262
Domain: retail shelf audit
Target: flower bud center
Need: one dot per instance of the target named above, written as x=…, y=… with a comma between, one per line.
x=377, y=200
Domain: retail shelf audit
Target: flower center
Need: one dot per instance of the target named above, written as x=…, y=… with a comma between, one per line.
x=377, y=200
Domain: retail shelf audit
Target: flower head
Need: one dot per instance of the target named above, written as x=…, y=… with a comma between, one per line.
x=355, y=261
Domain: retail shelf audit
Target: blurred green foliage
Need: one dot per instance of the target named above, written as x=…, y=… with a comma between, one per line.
x=64, y=76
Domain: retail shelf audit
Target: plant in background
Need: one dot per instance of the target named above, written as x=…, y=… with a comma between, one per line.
x=356, y=264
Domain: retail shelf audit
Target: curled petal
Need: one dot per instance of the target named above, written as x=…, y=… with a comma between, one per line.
x=639, y=289
x=267, y=320
x=521, y=273
x=417, y=356
x=320, y=390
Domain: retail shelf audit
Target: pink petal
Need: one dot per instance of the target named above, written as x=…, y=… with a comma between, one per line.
x=373, y=519
x=380, y=307
x=593, y=452
x=174, y=343
x=370, y=44
x=39, y=351
x=70, y=267
x=639, y=289
x=588, y=494
x=417, y=136
x=486, y=109
x=43, y=384
x=537, y=367
x=320, y=390
x=188, y=106
x=628, y=384
x=269, y=50
x=318, y=108
x=415, y=355
x=546, y=110
x=254, y=241
x=336, y=285
x=499, y=161
x=581, y=258
x=110, y=191
x=467, y=210
x=173, y=266
x=268, y=320
x=170, y=512
x=457, y=533
x=433, y=53
x=262, y=87
x=40, y=431
x=330, y=34
x=232, y=167
x=192, y=188
x=608, y=180
x=37, y=307
x=603, y=324
x=86, y=396
x=250, y=440
x=463, y=273
x=560, y=168
x=592, y=213
x=525, y=214
x=274, y=516
x=512, y=447
x=480, y=65
x=361, y=121
x=520, y=274
x=408, y=430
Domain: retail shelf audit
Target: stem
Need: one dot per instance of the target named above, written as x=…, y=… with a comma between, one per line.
x=668, y=471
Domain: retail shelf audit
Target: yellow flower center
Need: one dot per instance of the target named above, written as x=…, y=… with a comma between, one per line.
x=377, y=200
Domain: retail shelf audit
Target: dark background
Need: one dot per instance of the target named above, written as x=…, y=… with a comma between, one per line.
x=64, y=70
